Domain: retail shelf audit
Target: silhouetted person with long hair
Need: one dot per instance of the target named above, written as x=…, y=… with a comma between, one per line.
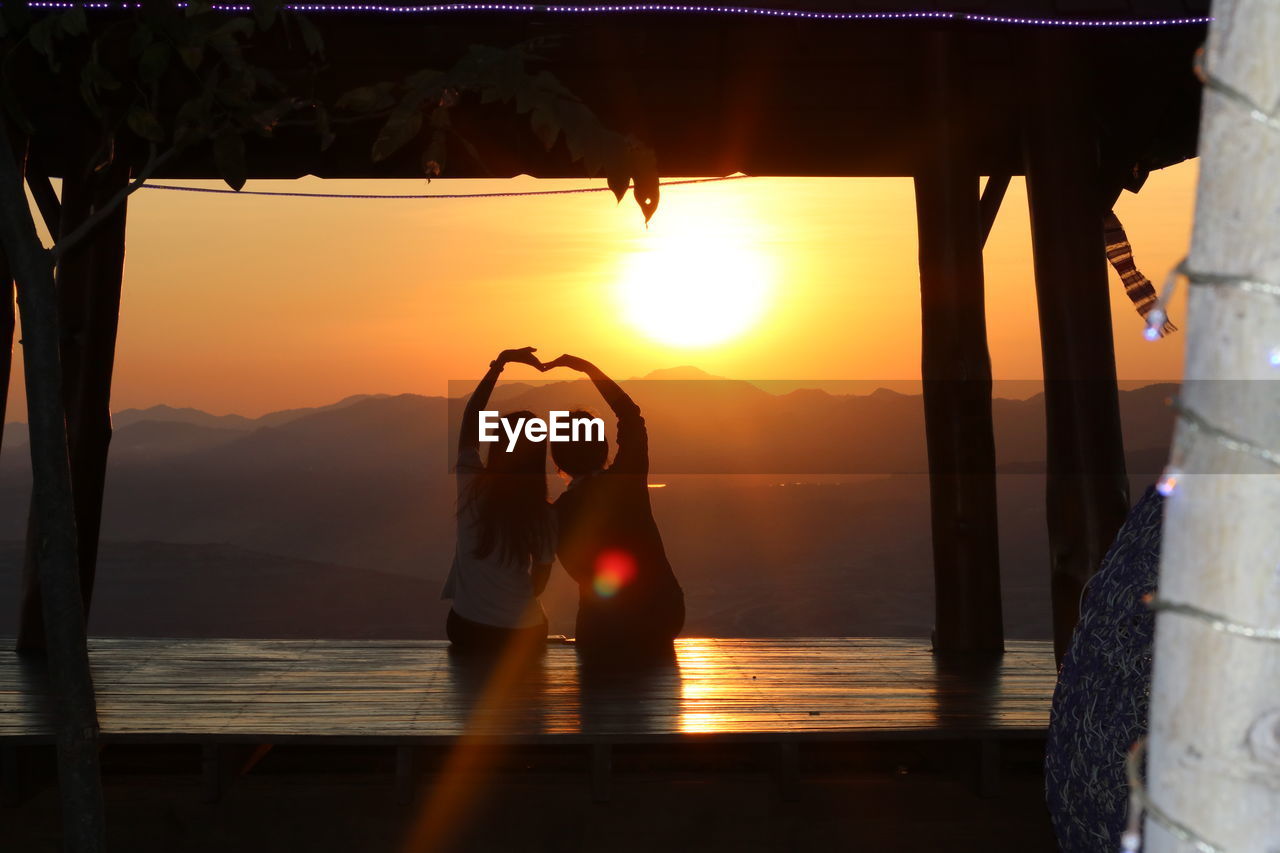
x=506, y=540
x=630, y=606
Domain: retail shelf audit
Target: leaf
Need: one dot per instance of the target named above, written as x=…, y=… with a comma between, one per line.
x=324, y=128
x=228, y=156
x=140, y=39
x=236, y=27
x=545, y=126
x=193, y=120
x=311, y=38
x=264, y=12
x=192, y=56
x=40, y=35
x=433, y=155
x=547, y=82
x=144, y=123
x=644, y=169
x=399, y=129
x=106, y=153
x=618, y=181
x=424, y=79
x=154, y=62
x=73, y=22
x=93, y=79
x=366, y=99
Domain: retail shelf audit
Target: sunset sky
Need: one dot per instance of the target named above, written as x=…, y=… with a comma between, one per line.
x=250, y=304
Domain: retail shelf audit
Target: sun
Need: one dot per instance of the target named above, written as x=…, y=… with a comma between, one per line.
x=695, y=290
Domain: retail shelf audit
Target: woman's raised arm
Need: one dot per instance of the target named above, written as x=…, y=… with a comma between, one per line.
x=469, y=432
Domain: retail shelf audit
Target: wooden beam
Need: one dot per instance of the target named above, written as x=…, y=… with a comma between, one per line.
x=956, y=369
x=89, y=281
x=46, y=200
x=989, y=205
x=1087, y=491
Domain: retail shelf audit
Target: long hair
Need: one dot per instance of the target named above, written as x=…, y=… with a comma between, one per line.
x=510, y=498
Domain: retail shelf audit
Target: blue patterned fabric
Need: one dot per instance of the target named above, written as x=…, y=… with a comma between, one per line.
x=1104, y=689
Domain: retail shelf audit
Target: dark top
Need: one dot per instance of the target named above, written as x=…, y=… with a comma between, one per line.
x=1104, y=689
x=610, y=544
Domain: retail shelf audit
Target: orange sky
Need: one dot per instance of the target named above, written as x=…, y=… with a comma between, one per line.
x=244, y=304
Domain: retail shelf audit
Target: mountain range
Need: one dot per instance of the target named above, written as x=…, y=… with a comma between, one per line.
x=795, y=513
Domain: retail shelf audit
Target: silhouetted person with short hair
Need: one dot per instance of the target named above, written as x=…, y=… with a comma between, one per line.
x=630, y=605
x=506, y=533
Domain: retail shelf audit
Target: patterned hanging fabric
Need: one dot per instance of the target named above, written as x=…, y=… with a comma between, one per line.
x=1136, y=285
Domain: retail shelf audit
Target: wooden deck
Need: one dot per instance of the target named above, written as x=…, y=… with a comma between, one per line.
x=405, y=693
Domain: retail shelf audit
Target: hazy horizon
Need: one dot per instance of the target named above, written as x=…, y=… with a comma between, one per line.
x=1009, y=389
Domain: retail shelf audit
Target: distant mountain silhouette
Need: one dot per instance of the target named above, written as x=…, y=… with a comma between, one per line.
x=171, y=415
x=809, y=535
x=683, y=372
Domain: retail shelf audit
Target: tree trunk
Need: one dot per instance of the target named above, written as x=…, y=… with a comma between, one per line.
x=1214, y=754
x=6, y=338
x=88, y=283
x=8, y=326
x=70, y=678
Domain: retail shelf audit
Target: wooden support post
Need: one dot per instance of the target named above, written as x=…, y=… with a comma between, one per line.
x=1087, y=492
x=956, y=369
x=406, y=773
x=601, y=771
x=89, y=280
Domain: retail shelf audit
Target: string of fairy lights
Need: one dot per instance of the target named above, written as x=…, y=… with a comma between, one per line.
x=671, y=9
x=1195, y=423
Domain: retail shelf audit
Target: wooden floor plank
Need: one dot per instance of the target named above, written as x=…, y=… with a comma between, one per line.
x=393, y=689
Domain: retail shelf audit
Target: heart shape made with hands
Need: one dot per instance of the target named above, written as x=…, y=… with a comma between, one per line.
x=525, y=355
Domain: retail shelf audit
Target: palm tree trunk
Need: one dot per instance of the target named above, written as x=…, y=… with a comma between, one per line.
x=1214, y=749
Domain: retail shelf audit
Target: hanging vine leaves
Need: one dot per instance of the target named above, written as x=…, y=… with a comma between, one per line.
x=502, y=76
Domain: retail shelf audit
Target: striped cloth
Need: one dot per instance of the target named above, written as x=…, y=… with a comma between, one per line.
x=1136, y=285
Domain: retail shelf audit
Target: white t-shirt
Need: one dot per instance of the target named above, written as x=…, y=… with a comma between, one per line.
x=491, y=590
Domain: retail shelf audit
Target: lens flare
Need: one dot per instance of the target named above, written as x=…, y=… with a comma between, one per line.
x=614, y=570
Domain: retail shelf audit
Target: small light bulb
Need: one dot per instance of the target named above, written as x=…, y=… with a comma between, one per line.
x=1168, y=481
x=1130, y=842
x=1151, y=333
x=1274, y=357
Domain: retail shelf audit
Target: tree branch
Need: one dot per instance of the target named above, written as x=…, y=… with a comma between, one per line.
x=61, y=247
